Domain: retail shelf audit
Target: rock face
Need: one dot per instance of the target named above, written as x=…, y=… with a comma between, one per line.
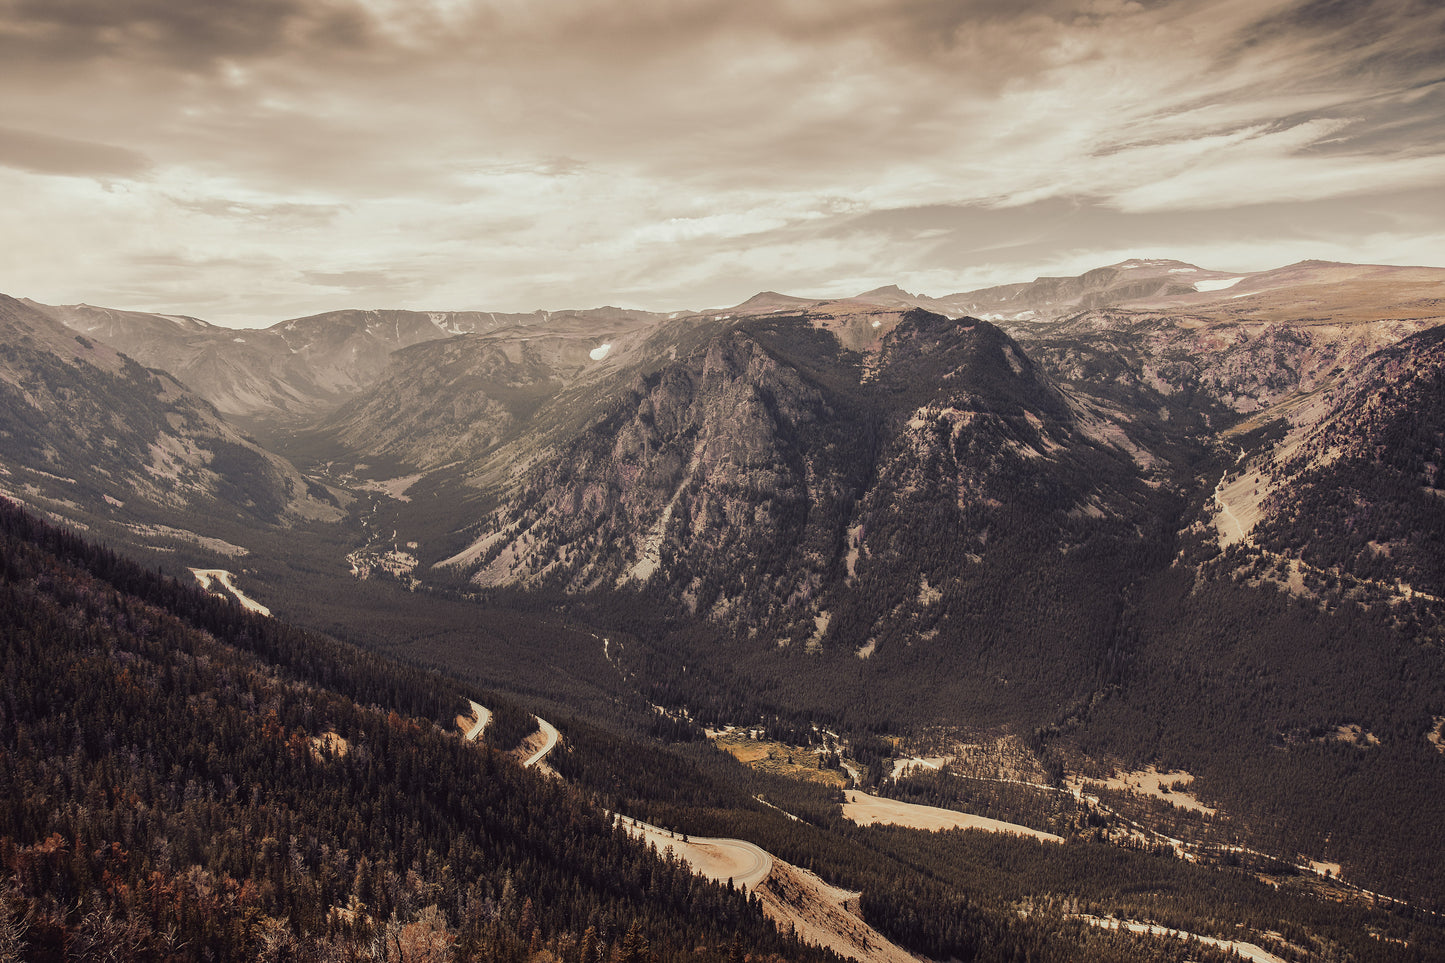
x=764, y=474
x=712, y=456
x=83, y=425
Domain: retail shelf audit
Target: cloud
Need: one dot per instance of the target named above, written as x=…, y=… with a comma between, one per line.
x=513, y=154
x=47, y=154
x=191, y=35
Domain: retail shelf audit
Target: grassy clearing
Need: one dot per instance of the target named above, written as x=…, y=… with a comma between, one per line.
x=795, y=762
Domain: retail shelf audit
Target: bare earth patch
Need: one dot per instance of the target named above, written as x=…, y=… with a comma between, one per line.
x=901, y=766
x=825, y=916
x=866, y=810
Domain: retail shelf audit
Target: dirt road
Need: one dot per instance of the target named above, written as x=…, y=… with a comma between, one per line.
x=717, y=859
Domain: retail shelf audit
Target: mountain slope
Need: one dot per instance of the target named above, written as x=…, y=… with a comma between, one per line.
x=86, y=428
x=1361, y=490
x=182, y=781
x=458, y=399
x=761, y=476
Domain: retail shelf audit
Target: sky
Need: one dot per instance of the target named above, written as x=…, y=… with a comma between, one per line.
x=247, y=162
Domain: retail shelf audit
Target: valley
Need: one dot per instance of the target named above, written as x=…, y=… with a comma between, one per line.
x=1053, y=621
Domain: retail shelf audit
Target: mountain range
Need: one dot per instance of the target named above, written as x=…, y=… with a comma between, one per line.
x=1150, y=515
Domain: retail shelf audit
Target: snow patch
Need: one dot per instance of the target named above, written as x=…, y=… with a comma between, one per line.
x=599, y=352
x=1216, y=284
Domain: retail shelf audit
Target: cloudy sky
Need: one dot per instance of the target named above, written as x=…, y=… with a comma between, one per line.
x=251, y=161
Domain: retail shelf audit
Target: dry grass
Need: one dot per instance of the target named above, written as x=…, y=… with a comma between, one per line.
x=866, y=810
x=792, y=761
x=1165, y=786
x=329, y=743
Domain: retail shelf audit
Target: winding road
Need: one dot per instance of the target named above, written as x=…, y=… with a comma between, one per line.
x=717, y=859
x=484, y=716
x=548, y=730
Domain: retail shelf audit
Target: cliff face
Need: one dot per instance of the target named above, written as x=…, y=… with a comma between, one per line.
x=722, y=455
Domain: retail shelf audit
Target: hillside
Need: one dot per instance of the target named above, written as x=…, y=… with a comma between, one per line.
x=88, y=431
x=184, y=781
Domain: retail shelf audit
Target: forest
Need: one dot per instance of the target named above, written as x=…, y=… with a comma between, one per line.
x=168, y=791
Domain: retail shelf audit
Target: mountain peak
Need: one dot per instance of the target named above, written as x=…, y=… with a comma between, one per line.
x=772, y=301
x=1136, y=263
x=887, y=289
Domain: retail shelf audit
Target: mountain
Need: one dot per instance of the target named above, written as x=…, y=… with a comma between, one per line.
x=87, y=430
x=294, y=369
x=1151, y=515
x=444, y=401
x=1103, y=287
x=761, y=476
